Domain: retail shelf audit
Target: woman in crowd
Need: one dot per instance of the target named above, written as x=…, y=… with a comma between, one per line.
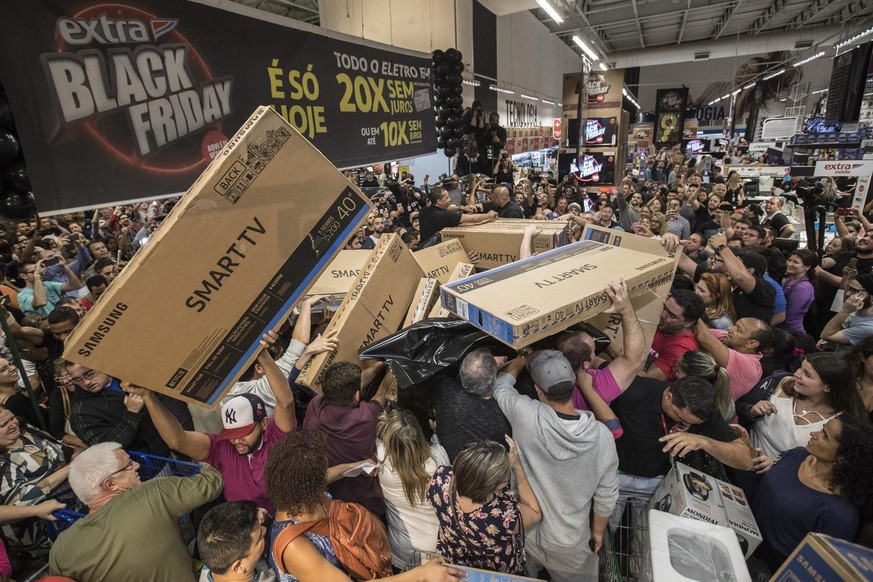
x=34, y=470
x=753, y=213
x=715, y=290
x=482, y=522
x=658, y=224
x=734, y=192
x=784, y=410
x=785, y=352
x=798, y=288
x=697, y=363
x=822, y=488
x=656, y=205
x=296, y=479
x=860, y=360
x=406, y=464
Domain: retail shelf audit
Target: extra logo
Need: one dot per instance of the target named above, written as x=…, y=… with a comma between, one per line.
x=138, y=86
x=842, y=167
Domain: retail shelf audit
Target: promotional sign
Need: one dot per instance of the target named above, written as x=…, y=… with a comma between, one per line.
x=843, y=168
x=669, y=116
x=595, y=168
x=557, y=129
x=598, y=88
x=131, y=100
x=600, y=131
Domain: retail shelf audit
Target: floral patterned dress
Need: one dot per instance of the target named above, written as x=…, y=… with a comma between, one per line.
x=482, y=538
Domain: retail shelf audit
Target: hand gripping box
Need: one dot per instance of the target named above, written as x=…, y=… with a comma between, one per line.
x=374, y=307
x=528, y=300
x=240, y=249
x=498, y=242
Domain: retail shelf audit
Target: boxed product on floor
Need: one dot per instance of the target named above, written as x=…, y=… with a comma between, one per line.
x=239, y=250
x=498, y=242
x=687, y=492
x=426, y=294
x=438, y=260
x=686, y=550
x=647, y=306
x=374, y=307
x=528, y=300
x=460, y=271
x=821, y=558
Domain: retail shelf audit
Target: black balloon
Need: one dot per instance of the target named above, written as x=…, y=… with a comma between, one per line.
x=454, y=121
x=437, y=56
x=450, y=153
x=454, y=101
x=16, y=175
x=459, y=132
x=8, y=147
x=452, y=79
x=445, y=91
x=453, y=142
x=447, y=133
x=458, y=67
x=453, y=55
x=443, y=68
x=17, y=205
x=458, y=90
x=441, y=143
x=6, y=121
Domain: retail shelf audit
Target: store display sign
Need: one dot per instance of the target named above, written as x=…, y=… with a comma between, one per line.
x=122, y=101
x=595, y=168
x=598, y=88
x=843, y=168
x=670, y=116
x=600, y=131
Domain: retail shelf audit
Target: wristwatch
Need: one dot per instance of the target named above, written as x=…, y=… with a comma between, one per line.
x=720, y=248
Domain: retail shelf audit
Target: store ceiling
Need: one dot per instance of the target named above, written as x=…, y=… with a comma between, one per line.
x=631, y=25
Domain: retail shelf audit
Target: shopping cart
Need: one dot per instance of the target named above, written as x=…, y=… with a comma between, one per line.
x=150, y=466
x=622, y=556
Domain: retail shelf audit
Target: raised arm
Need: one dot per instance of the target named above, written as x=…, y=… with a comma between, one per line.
x=189, y=443
x=709, y=343
x=283, y=414
x=625, y=368
x=528, y=505
x=735, y=267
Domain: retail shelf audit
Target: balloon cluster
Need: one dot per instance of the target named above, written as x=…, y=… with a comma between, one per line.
x=448, y=103
x=16, y=199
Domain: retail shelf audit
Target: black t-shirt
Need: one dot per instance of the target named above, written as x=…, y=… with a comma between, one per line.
x=779, y=221
x=708, y=228
x=643, y=420
x=462, y=418
x=511, y=210
x=758, y=304
x=433, y=219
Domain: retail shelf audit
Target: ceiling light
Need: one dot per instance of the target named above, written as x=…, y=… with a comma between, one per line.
x=808, y=59
x=585, y=48
x=603, y=67
x=550, y=11
x=819, y=91
x=749, y=86
x=548, y=102
x=737, y=92
x=724, y=97
x=849, y=41
x=499, y=90
x=523, y=96
x=772, y=75
x=473, y=83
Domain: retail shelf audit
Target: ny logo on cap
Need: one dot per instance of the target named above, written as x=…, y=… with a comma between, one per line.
x=230, y=416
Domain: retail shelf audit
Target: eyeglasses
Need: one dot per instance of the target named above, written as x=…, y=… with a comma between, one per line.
x=89, y=375
x=28, y=272
x=124, y=468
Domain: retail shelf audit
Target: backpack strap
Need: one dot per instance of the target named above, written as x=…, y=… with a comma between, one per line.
x=283, y=540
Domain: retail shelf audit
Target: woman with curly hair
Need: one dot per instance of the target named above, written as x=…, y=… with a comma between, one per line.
x=406, y=464
x=296, y=476
x=822, y=488
x=860, y=360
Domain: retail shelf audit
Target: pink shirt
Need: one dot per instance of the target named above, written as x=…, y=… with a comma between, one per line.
x=605, y=385
x=744, y=369
x=244, y=474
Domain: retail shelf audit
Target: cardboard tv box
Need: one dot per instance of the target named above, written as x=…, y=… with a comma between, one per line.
x=687, y=492
x=460, y=271
x=686, y=550
x=340, y=274
x=498, y=242
x=439, y=260
x=374, y=307
x=647, y=306
x=426, y=294
x=241, y=248
x=821, y=558
x=528, y=300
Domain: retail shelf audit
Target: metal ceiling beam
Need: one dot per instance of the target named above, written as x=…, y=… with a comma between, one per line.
x=684, y=20
x=810, y=13
x=768, y=15
x=640, y=24
x=289, y=4
x=726, y=18
x=851, y=10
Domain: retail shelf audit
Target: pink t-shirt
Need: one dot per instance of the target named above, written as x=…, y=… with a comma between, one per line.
x=244, y=474
x=744, y=369
x=605, y=385
x=670, y=348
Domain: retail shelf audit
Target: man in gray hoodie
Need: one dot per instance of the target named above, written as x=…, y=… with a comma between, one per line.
x=571, y=462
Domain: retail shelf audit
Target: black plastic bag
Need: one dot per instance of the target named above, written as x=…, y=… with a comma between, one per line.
x=428, y=347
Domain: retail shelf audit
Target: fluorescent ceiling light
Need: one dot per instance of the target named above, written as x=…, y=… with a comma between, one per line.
x=849, y=41
x=523, y=96
x=772, y=75
x=548, y=102
x=808, y=59
x=749, y=86
x=819, y=91
x=499, y=90
x=737, y=92
x=550, y=11
x=724, y=96
x=585, y=48
x=603, y=67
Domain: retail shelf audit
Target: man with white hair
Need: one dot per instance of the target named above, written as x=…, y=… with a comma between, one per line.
x=131, y=532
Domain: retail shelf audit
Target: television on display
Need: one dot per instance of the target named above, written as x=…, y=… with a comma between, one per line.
x=848, y=80
x=694, y=146
x=819, y=125
x=593, y=168
x=600, y=131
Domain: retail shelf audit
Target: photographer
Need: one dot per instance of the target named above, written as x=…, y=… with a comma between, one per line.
x=506, y=169
x=490, y=140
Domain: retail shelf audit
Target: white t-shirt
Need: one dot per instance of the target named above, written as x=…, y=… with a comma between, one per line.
x=410, y=527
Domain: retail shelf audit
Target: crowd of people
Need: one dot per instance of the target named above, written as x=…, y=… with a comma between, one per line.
x=760, y=372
